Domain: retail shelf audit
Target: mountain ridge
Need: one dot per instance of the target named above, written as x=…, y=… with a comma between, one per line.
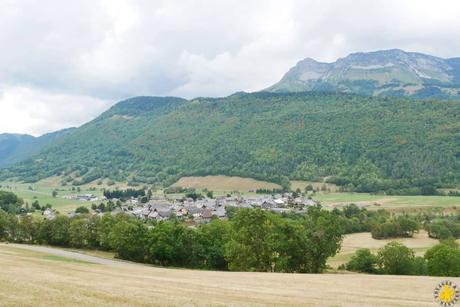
x=391, y=72
x=16, y=147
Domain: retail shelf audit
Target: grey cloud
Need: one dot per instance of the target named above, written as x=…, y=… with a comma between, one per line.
x=86, y=55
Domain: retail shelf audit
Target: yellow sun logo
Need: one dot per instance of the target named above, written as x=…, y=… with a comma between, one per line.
x=446, y=293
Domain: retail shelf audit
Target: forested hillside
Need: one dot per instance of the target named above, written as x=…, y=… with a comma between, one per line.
x=18, y=147
x=364, y=143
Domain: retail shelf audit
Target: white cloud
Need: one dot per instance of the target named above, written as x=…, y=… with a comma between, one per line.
x=28, y=110
x=90, y=53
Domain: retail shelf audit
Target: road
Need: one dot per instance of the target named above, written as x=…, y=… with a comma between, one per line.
x=68, y=254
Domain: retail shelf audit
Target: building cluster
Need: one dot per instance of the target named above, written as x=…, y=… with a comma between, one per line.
x=84, y=197
x=203, y=210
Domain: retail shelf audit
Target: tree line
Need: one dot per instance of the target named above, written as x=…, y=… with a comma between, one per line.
x=394, y=258
x=124, y=194
x=252, y=240
x=383, y=224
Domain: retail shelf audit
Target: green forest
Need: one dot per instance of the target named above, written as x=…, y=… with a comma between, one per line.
x=365, y=144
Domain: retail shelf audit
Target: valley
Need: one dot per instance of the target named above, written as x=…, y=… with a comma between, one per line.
x=229, y=153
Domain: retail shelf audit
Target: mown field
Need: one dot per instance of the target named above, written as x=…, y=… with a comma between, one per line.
x=224, y=183
x=420, y=243
x=31, y=278
x=387, y=202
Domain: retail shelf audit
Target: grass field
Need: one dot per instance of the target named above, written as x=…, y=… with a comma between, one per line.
x=42, y=192
x=297, y=184
x=420, y=243
x=388, y=202
x=31, y=278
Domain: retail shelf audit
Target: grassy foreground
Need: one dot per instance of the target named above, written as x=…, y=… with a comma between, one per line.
x=30, y=278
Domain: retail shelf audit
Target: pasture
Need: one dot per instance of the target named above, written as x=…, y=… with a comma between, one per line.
x=42, y=192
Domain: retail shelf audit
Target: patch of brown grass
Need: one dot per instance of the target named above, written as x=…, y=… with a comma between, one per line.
x=224, y=183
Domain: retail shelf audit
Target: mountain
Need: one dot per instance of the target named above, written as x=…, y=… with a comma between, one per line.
x=381, y=73
x=365, y=143
x=18, y=147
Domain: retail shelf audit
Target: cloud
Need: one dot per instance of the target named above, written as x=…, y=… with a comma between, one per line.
x=89, y=54
x=29, y=110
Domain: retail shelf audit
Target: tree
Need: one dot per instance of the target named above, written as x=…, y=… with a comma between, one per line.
x=28, y=229
x=213, y=237
x=36, y=205
x=325, y=234
x=396, y=259
x=55, y=193
x=128, y=237
x=443, y=260
x=362, y=261
x=3, y=224
x=408, y=225
x=170, y=243
x=82, y=210
x=78, y=233
x=250, y=246
x=59, y=231
x=9, y=202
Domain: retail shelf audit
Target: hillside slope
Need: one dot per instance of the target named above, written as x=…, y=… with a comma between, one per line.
x=55, y=277
x=368, y=143
x=18, y=147
x=381, y=73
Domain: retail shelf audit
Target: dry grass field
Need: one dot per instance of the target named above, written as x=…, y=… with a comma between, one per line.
x=38, y=278
x=224, y=183
x=297, y=184
x=420, y=242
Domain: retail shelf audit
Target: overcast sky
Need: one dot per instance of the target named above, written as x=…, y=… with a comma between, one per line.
x=64, y=62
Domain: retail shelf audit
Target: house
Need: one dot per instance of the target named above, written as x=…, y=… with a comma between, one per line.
x=49, y=214
x=219, y=212
x=267, y=204
x=206, y=214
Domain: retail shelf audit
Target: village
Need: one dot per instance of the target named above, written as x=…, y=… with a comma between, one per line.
x=199, y=210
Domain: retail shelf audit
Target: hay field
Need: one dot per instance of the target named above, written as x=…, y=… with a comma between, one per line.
x=420, y=243
x=224, y=183
x=31, y=278
x=298, y=184
x=387, y=202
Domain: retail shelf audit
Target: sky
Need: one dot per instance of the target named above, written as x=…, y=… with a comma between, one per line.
x=62, y=63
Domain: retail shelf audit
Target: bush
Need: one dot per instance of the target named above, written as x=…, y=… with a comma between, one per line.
x=82, y=210
x=362, y=261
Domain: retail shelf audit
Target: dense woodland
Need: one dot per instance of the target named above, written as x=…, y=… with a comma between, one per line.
x=366, y=144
